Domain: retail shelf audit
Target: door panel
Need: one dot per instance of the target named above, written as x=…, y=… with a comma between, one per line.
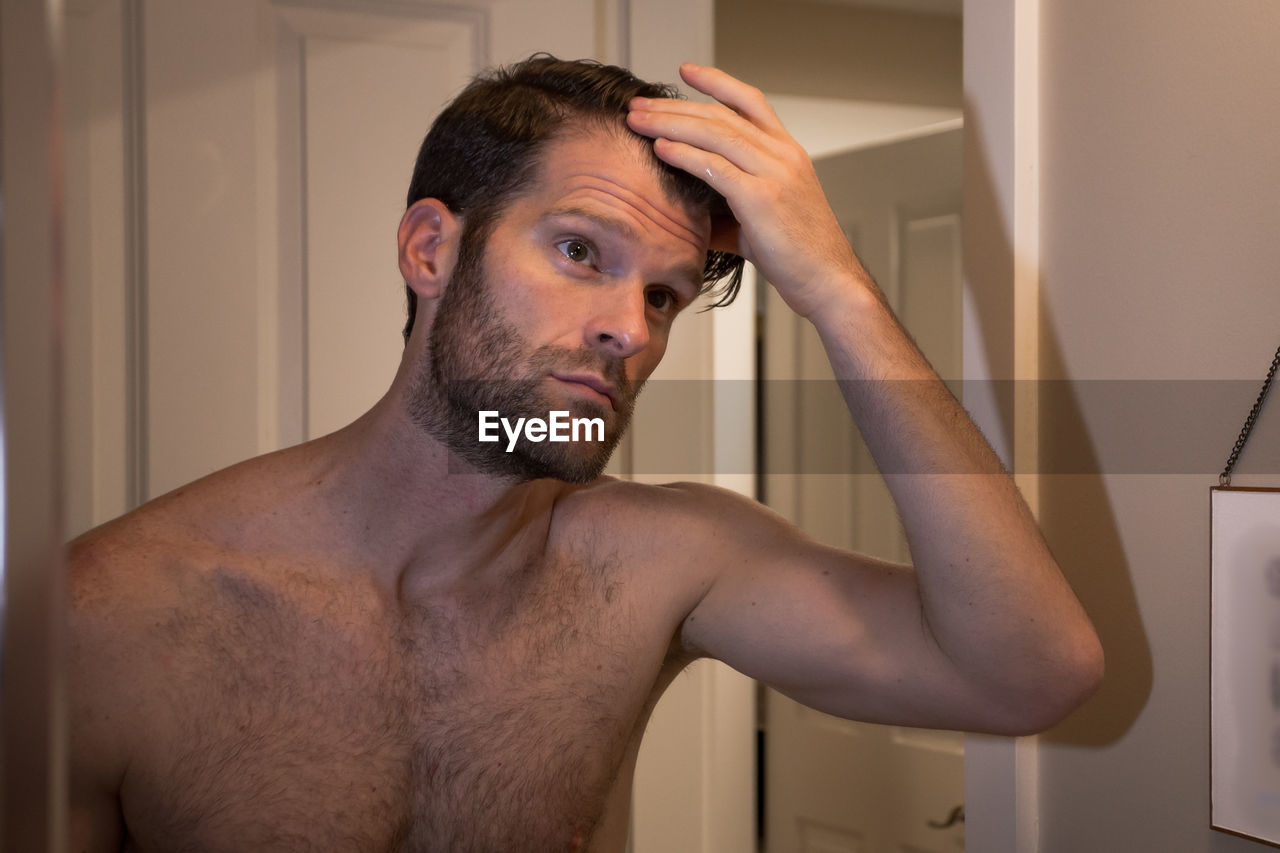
x=368, y=89
x=836, y=785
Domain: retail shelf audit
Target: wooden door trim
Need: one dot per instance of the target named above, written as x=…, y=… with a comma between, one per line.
x=1002, y=77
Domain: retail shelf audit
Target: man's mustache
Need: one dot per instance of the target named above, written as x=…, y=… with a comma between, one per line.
x=612, y=370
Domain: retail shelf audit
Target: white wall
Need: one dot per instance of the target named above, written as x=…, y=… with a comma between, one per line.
x=1160, y=217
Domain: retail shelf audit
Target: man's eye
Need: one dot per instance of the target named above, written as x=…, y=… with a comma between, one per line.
x=663, y=300
x=575, y=250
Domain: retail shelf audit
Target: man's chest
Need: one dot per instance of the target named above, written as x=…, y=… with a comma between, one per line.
x=475, y=722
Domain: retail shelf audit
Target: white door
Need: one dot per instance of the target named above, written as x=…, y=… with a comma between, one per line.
x=833, y=786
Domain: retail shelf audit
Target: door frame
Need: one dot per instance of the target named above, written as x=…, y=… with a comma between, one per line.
x=1001, y=340
x=33, y=738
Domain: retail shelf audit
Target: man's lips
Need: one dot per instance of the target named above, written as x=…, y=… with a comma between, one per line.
x=595, y=383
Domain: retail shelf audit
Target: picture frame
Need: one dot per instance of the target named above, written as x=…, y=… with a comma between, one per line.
x=1245, y=662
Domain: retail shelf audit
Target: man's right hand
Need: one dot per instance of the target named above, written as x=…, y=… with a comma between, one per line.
x=739, y=147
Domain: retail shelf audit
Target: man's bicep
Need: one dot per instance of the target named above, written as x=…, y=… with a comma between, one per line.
x=840, y=632
x=796, y=617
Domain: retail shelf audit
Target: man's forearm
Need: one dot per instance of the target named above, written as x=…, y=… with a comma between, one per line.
x=993, y=597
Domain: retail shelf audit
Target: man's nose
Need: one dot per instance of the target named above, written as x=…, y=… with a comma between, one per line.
x=619, y=327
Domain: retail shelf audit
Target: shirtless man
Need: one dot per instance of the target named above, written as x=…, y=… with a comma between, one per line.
x=396, y=638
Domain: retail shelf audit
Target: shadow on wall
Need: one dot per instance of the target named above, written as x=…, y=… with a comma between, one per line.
x=1075, y=513
x=1079, y=523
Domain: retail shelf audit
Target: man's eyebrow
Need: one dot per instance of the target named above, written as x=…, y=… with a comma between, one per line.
x=624, y=229
x=606, y=222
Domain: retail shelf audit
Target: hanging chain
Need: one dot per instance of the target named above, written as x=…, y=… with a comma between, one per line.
x=1224, y=479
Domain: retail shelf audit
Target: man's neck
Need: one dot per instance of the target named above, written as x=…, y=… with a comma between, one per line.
x=423, y=516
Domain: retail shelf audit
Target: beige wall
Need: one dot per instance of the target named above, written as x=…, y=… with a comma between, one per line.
x=1160, y=241
x=1161, y=251
x=834, y=51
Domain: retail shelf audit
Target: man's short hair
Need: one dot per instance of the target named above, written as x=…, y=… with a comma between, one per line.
x=486, y=145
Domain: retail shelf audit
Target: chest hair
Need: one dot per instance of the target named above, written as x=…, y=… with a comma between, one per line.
x=311, y=717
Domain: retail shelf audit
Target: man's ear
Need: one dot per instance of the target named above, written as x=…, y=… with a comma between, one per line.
x=428, y=239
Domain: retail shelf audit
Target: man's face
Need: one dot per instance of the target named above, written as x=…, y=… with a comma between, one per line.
x=569, y=308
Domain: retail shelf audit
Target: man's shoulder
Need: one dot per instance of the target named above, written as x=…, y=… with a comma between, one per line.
x=142, y=585
x=677, y=496
x=166, y=529
x=143, y=590
x=126, y=578
x=209, y=521
x=158, y=559
x=124, y=557
x=679, y=515
x=124, y=584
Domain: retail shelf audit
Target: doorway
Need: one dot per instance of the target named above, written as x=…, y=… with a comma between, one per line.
x=873, y=90
x=830, y=784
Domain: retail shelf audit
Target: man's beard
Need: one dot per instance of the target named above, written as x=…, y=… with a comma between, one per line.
x=477, y=361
